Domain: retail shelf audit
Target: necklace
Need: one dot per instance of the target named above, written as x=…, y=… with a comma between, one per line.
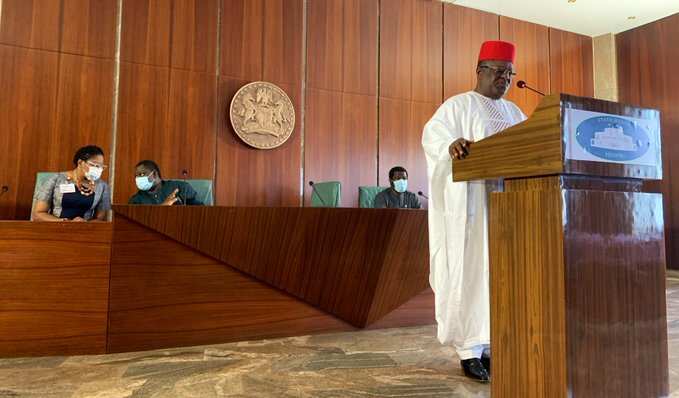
x=85, y=187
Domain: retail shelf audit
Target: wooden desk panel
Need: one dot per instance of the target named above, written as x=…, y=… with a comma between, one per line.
x=53, y=288
x=357, y=264
x=164, y=294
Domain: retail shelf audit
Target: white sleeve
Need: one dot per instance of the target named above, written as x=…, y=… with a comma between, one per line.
x=440, y=132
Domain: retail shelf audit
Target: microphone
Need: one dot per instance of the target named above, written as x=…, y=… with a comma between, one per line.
x=522, y=84
x=313, y=189
x=422, y=195
x=4, y=190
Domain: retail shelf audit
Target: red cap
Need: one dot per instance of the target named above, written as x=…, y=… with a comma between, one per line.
x=497, y=50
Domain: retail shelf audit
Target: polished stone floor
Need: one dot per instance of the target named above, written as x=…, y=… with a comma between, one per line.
x=406, y=362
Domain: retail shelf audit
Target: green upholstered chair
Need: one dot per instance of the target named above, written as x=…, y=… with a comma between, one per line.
x=326, y=194
x=366, y=196
x=40, y=178
x=203, y=190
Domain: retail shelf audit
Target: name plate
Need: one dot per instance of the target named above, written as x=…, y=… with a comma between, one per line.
x=600, y=137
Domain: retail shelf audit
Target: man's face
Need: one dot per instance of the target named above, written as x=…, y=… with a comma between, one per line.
x=143, y=171
x=399, y=175
x=495, y=78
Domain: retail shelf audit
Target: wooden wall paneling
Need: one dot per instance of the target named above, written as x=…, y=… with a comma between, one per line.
x=646, y=77
x=253, y=177
x=570, y=56
x=194, y=35
x=401, y=124
x=464, y=31
x=142, y=118
x=89, y=27
x=146, y=32
x=360, y=46
x=52, y=301
x=282, y=42
x=411, y=50
x=427, y=52
x=325, y=49
x=396, y=48
x=84, y=109
x=31, y=23
x=339, y=145
x=242, y=24
x=28, y=84
x=532, y=60
x=191, y=131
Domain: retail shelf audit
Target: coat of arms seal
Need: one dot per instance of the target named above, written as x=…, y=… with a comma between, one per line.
x=262, y=115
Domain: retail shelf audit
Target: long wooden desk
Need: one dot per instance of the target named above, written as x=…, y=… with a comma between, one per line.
x=164, y=277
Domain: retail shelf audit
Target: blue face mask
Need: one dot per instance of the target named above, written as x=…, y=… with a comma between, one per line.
x=401, y=185
x=144, y=183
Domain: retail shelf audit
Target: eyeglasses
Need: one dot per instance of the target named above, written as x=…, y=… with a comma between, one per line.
x=499, y=72
x=99, y=166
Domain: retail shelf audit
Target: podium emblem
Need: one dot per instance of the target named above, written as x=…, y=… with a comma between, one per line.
x=613, y=138
x=262, y=115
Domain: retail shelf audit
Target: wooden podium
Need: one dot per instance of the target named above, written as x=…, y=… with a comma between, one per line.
x=577, y=253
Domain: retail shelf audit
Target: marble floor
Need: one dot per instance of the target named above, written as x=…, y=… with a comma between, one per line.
x=405, y=362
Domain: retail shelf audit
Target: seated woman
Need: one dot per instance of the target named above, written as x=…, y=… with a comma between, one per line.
x=76, y=195
x=153, y=190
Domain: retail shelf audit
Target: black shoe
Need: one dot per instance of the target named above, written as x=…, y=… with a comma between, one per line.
x=473, y=368
x=485, y=360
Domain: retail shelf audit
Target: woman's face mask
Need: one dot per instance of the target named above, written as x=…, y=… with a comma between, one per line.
x=93, y=171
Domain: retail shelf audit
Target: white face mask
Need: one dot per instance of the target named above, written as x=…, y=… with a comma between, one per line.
x=93, y=173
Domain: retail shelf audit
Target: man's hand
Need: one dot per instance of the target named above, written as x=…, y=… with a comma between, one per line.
x=459, y=149
x=171, y=198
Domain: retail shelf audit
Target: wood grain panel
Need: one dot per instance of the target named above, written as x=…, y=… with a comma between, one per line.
x=52, y=301
x=176, y=296
x=89, y=27
x=358, y=264
x=282, y=46
x=342, y=46
x=242, y=39
x=28, y=84
x=411, y=49
x=646, y=61
x=464, y=30
x=84, y=109
x=400, y=141
x=615, y=294
x=252, y=177
x=570, y=57
x=146, y=32
x=142, y=117
x=532, y=60
x=31, y=23
x=194, y=35
x=338, y=145
x=190, y=141
x=527, y=303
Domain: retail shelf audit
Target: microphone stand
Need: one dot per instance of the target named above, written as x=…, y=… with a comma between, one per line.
x=313, y=190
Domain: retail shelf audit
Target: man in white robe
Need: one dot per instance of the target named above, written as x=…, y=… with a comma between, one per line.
x=458, y=230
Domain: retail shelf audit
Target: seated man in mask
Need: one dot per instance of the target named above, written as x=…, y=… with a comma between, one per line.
x=397, y=195
x=153, y=190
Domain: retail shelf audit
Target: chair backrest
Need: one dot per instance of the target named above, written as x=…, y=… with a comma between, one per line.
x=326, y=194
x=366, y=196
x=40, y=178
x=203, y=190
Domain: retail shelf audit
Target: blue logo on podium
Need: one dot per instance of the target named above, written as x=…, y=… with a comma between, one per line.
x=613, y=138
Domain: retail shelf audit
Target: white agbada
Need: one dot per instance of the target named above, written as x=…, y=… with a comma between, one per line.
x=458, y=238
